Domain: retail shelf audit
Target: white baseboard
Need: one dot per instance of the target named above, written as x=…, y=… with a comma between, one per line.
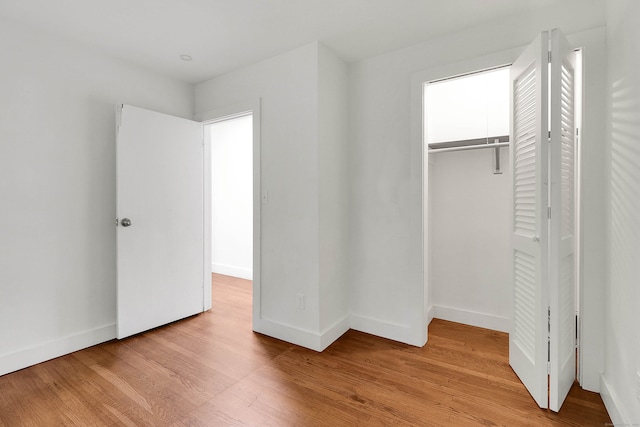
x=392, y=331
x=429, y=314
x=472, y=318
x=302, y=337
x=616, y=413
x=335, y=331
x=231, y=270
x=21, y=359
x=319, y=341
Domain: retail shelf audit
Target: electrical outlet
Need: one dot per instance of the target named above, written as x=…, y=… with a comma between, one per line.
x=300, y=301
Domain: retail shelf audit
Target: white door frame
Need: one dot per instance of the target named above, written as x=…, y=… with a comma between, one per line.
x=215, y=116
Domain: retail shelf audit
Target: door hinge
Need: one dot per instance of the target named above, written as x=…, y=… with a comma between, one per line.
x=548, y=340
x=117, y=222
x=577, y=332
x=549, y=57
x=549, y=332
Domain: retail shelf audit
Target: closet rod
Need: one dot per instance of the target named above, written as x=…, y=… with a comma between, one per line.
x=469, y=147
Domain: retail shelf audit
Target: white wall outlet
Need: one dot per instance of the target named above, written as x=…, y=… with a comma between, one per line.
x=300, y=301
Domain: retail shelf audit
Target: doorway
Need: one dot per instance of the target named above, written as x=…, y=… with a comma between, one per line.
x=466, y=135
x=231, y=157
x=250, y=112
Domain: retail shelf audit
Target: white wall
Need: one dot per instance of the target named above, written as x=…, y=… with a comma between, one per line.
x=293, y=174
x=385, y=213
x=621, y=378
x=470, y=240
x=333, y=191
x=57, y=187
x=232, y=197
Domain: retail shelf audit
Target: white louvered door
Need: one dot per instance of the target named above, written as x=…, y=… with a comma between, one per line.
x=542, y=339
x=528, y=351
x=562, y=354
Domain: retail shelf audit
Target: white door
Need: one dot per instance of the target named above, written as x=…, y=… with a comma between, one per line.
x=160, y=207
x=542, y=340
x=528, y=340
x=562, y=222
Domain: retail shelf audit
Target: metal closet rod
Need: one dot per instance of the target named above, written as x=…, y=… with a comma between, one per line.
x=470, y=147
x=470, y=144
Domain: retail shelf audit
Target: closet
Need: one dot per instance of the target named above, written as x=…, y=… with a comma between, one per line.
x=502, y=242
x=467, y=135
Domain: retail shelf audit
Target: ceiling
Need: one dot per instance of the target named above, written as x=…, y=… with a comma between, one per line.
x=224, y=35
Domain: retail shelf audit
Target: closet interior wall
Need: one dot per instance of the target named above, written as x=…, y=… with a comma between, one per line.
x=469, y=238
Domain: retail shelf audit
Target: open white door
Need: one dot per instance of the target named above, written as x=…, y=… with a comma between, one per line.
x=160, y=207
x=542, y=340
x=528, y=340
x=562, y=354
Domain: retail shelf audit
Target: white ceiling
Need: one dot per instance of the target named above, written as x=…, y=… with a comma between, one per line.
x=223, y=35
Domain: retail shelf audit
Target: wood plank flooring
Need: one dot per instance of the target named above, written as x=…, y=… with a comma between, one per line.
x=212, y=370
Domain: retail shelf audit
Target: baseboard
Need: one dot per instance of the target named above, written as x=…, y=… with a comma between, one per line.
x=319, y=341
x=233, y=271
x=472, y=318
x=303, y=338
x=429, y=314
x=21, y=359
x=392, y=331
x=616, y=413
x=335, y=331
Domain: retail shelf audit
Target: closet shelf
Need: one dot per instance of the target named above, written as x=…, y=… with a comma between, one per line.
x=469, y=144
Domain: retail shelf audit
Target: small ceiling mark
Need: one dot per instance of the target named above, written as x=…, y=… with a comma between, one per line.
x=186, y=57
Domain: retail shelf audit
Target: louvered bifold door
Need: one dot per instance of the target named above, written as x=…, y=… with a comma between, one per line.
x=528, y=351
x=562, y=354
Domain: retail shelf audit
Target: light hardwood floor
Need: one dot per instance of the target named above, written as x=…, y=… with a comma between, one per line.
x=212, y=370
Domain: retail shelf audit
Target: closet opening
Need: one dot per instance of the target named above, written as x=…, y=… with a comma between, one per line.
x=526, y=284
x=466, y=132
x=468, y=187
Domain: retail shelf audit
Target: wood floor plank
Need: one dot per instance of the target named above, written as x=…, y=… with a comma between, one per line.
x=212, y=370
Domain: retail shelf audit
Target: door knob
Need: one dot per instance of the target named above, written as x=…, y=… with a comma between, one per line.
x=125, y=222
